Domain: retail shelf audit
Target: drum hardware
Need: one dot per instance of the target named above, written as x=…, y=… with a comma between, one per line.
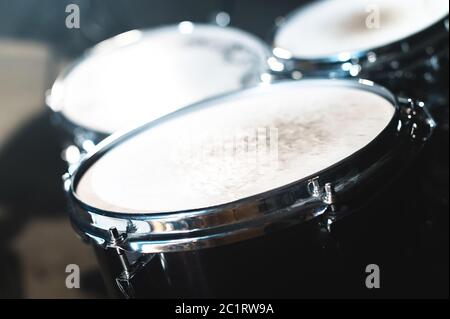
x=366, y=65
x=129, y=269
x=420, y=120
x=331, y=200
x=123, y=280
x=327, y=196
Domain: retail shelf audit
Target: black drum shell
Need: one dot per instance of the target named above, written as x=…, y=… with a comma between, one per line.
x=305, y=261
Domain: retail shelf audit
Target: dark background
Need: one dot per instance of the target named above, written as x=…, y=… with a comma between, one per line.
x=36, y=240
x=44, y=19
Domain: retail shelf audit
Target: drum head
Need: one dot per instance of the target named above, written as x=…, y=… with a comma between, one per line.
x=138, y=76
x=234, y=147
x=328, y=27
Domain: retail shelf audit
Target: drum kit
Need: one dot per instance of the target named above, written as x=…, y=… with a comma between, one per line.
x=204, y=162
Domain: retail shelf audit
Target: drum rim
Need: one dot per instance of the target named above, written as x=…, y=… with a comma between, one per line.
x=332, y=64
x=119, y=137
x=106, y=46
x=193, y=229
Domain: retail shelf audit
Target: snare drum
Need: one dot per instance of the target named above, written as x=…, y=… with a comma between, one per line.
x=222, y=198
x=138, y=76
x=400, y=44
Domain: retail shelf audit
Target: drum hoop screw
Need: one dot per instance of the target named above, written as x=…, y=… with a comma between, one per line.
x=116, y=240
x=329, y=197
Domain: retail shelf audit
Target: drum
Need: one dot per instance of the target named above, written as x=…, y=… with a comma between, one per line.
x=400, y=44
x=138, y=76
x=235, y=196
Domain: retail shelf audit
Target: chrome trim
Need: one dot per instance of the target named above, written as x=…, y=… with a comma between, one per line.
x=250, y=217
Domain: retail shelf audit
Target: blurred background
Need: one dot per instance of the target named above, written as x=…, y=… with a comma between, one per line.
x=36, y=239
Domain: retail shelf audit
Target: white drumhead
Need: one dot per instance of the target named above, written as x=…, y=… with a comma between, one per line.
x=329, y=27
x=236, y=147
x=141, y=75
